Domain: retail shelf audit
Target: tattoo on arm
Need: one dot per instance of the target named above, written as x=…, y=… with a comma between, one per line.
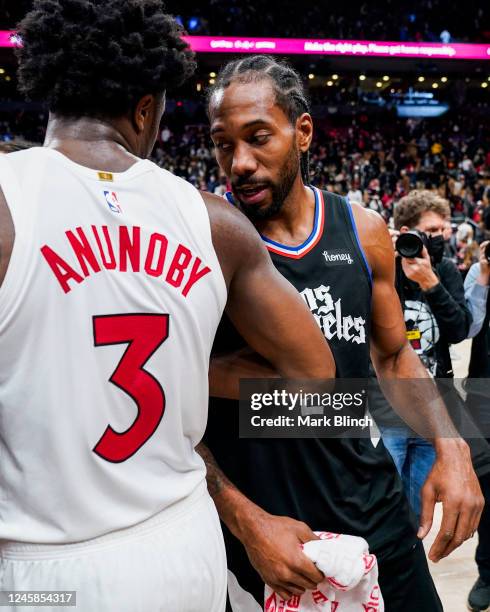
x=215, y=478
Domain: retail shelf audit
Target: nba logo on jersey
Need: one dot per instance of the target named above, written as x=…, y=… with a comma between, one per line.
x=111, y=199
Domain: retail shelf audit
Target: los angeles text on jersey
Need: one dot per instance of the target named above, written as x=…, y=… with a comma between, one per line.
x=333, y=322
x=126, y=249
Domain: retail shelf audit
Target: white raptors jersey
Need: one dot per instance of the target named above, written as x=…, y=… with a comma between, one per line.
x=108, y=312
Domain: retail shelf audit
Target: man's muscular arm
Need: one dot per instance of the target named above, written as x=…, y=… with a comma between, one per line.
x=276, y=323
x=215, y=478
x=225, y=371
x=452, y=479
x=272, y=542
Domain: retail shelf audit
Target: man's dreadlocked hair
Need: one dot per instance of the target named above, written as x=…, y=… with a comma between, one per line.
x=99, y=57
x=287, y=84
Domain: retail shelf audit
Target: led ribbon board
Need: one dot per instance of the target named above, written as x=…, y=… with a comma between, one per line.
x=311, y=46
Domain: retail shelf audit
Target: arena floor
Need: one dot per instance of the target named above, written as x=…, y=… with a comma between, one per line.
x=455, y=575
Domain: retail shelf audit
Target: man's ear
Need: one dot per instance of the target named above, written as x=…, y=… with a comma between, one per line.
x=304, y=131
x=143, y=112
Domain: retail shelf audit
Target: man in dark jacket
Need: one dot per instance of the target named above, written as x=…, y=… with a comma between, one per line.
x=430, y=286
x=436, y=315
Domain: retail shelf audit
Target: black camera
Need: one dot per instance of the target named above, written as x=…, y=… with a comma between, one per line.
x=487, y=252
x=411, y=243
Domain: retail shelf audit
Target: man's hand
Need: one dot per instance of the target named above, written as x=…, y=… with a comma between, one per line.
x=273, y=544
x=394, y=237
x=484, y=276
x=453, y=482
x=419, y=270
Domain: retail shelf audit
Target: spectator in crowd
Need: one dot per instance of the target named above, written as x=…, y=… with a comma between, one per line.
x=354, y=194
x=165, y=134
x=221, y=187
x=449, y=241
x=467, y=248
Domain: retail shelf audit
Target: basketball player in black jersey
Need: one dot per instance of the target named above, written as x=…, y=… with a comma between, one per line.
x=271, y=494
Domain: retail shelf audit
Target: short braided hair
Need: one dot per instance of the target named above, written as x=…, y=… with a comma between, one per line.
x=99, y=57
x=288, y=87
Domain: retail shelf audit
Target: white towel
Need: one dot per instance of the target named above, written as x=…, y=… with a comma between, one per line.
x=351, y=578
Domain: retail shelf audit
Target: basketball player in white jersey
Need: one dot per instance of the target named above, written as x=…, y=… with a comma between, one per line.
x=114, y=275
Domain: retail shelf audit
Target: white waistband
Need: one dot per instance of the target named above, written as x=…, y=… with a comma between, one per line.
x=26, y=550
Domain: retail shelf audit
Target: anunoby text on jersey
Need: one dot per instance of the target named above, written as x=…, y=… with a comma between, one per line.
x=95, y=250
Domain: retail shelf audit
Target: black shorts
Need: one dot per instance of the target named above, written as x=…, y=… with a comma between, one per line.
x=405, y=581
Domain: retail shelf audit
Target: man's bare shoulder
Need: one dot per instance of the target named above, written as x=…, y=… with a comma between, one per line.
x=370, y=224
x=235, y=239
x=374, y=237
x=225, y=217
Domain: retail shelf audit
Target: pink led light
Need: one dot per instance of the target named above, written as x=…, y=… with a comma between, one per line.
x=7, y=39
x=360, y=48
x=312, y=46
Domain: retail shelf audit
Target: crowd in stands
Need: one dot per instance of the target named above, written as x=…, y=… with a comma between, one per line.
x=374, y=161
x=374, y=164
x=406, y=20
x=414, y=20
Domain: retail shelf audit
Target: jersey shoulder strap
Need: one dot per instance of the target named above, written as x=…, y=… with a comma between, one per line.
x=340, y=222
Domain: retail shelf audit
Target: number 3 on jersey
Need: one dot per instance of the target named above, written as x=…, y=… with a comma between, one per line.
x=143, y=333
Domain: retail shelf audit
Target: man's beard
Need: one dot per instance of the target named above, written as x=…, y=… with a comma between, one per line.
x=279, y=190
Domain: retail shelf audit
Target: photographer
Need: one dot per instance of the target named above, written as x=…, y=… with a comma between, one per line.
x=429, y=284
x=436, y=315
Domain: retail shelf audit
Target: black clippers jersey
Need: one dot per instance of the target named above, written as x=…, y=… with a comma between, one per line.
x=340, y=485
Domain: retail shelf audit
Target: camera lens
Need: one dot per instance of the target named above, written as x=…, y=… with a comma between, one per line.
x=409, y=245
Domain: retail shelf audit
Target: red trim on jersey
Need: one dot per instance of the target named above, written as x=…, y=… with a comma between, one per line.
x=291, y=255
